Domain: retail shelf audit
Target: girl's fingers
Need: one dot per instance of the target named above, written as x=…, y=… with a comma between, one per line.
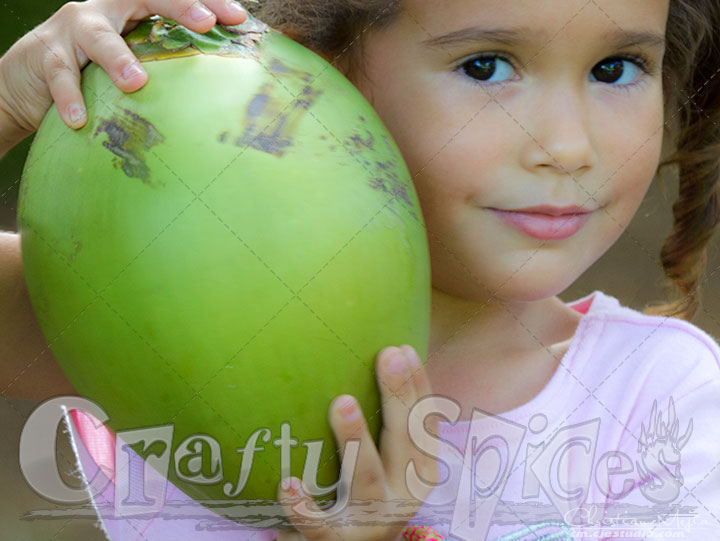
x=228, y=12
x=294, y=502
x=397, y=372
x=348, y=423
x=98, y=36
x=104, y=46
x=193, y=14
x=62, y=75
x=403, y=382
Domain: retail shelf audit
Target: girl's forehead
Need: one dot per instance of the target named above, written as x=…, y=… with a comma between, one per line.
x=541, y=19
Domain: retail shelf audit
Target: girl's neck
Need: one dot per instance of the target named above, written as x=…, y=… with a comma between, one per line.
x=496, y=356
x=497, y=329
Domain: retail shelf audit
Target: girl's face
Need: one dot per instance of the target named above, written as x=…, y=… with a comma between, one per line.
x=508, y=105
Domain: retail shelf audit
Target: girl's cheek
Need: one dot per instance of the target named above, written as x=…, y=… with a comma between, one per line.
x=630, y=143
x=632, y=181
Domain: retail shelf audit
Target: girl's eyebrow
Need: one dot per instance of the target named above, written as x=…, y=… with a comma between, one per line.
x=617, y=39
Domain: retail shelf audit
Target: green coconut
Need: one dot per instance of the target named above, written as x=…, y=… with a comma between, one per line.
x=226, y=249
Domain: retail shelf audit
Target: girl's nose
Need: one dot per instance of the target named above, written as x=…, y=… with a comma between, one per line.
x=558, y=138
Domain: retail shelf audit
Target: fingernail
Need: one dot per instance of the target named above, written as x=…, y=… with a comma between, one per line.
x=76, y=112
x=397, y=364
x=200, y=13
x=290, y=484
x=130, y=71
x=236, y=8
x=348, y=408
x=412, y=356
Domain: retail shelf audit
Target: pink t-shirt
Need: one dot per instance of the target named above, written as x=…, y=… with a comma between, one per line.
x=623, y=442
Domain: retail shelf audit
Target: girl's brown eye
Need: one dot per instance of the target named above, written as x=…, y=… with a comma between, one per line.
x=489, y=69
x=618, y=71
x=609, y=71
x=482, y=68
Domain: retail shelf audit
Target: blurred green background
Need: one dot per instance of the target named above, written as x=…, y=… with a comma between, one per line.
x=629, y=271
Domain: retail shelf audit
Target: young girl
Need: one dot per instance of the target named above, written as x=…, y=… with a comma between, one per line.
x=532, y=134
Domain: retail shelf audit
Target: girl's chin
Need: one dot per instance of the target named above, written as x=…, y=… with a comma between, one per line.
x=517, y=289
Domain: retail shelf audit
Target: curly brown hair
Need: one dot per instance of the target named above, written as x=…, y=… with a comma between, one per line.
x=691, y=80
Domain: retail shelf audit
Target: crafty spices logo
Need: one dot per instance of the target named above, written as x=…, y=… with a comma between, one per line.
x=544, y=474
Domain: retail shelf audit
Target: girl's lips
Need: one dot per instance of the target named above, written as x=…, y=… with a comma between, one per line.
x=544, y=226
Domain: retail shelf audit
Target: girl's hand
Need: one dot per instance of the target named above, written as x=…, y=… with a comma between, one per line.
x=44, y=65
x=378, y=476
